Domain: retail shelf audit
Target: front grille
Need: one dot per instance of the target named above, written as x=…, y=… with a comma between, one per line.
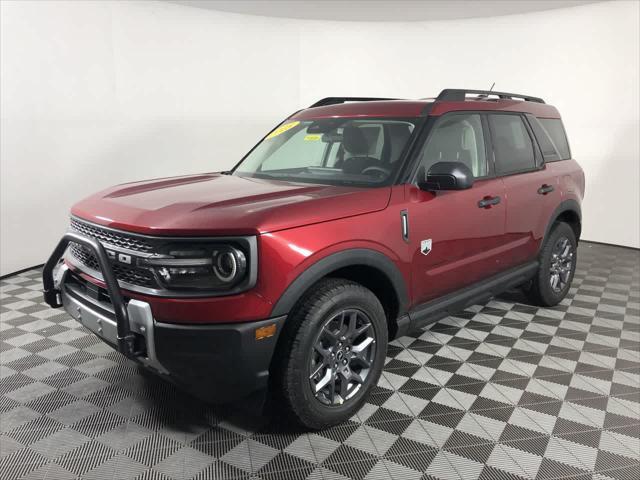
x=110, y=237
x=129, y=274
x=132, y=275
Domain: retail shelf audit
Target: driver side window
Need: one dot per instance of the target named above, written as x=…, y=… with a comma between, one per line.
x=456, y=138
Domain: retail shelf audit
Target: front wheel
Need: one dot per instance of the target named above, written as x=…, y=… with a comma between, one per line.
x=557, y=266
x=332, y=353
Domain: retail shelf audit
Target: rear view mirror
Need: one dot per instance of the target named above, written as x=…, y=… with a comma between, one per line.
x=447, y=176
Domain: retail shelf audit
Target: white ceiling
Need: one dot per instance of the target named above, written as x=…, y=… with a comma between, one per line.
x=381, y=10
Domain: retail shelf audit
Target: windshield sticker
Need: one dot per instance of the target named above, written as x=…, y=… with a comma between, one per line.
x=282, y=129
x=312, y=138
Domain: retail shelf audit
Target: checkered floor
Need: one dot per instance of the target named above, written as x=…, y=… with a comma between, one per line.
x=500, y=391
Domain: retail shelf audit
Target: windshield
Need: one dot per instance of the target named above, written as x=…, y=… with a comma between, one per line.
x=334, y=151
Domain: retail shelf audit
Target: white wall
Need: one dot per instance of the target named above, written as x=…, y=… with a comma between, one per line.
x=97, y=93
x=583, y=60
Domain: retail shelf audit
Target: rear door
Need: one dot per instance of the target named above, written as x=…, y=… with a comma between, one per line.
x=453, y=239
x=531, y=190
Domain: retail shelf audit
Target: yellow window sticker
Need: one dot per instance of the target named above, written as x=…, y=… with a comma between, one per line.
x=312, y=137
x=282, y=129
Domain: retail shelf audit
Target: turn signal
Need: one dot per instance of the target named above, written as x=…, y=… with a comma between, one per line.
x=266, y=332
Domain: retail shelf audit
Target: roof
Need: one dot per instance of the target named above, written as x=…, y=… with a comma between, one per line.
x=448, y=101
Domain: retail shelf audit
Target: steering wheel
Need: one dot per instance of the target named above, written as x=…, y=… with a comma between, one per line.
x=380, y=171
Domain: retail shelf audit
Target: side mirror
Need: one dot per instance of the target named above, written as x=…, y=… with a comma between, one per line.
x=447, y=176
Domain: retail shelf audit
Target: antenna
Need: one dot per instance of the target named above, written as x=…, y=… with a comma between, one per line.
x=486, y=94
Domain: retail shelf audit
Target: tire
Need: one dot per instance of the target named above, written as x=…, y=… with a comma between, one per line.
x=540, y=290
x=309, y=344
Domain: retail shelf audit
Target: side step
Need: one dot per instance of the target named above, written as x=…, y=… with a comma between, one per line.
x=454, y=302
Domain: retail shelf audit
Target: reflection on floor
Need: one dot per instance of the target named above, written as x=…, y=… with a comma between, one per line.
x=502, y=390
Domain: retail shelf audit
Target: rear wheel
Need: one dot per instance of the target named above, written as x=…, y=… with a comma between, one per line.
x=557, y=266
x=332, y=353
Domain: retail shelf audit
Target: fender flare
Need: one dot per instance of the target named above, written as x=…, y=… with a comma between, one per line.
x=569, y=205
x=346, y=258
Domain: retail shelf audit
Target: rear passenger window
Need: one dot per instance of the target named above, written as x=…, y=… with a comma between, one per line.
x=512, y=144
x=555, y=129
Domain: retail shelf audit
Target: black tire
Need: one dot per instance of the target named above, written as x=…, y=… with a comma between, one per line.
x=540, y=291
x=291, y=372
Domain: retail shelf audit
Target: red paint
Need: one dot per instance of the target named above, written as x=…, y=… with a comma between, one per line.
x=387, y=108
x=416, y=108
x=215, y=204
x=299, y=224
x=537, y=109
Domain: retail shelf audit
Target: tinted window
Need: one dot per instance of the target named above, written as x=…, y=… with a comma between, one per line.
x=511, y=143
x=456, y=138
x=549, y=150
x=555, y=129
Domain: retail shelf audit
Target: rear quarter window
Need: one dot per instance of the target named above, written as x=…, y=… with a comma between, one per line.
x=555, y=129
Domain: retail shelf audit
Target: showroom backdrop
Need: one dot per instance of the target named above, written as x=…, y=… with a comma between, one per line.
x=98, y=93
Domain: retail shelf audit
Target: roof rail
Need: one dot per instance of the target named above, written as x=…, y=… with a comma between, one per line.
x=459, y=95
x=336, y=100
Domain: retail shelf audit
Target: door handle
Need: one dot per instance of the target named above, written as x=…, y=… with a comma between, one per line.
x=487, y=201
x=544, y=189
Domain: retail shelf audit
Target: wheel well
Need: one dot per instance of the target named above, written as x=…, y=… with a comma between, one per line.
x=376, y=281
x=573, y=220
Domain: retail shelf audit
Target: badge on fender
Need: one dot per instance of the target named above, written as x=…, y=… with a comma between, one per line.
x=425, y=246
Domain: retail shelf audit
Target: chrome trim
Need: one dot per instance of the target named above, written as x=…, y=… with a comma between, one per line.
x=178, y=262
x=58, y=275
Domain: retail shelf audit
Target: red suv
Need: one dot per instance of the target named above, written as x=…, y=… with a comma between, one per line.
x=352, y=222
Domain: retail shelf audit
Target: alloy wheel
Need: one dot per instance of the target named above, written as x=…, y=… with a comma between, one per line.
x=343, y=353
x=561, y=264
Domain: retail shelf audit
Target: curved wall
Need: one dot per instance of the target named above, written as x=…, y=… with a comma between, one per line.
x=584, y=60
x=97, y=93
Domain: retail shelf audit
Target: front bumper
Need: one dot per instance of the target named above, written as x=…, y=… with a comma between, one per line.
x=218, y=362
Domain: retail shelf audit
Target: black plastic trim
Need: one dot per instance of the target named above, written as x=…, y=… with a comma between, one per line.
x=459, y=95
x=345, y=258
x=338, y=100
x=126, y=339
x=441, y=307
x=569, y=205
x=220, y=362
x=403, y=324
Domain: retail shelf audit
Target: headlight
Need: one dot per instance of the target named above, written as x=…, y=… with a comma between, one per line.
x=218, y=267
x=229, y=264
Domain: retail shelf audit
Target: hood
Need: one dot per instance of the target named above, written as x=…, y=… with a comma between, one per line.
x=215, y=204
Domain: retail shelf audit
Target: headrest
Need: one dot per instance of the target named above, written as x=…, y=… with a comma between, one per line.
x=355, y=141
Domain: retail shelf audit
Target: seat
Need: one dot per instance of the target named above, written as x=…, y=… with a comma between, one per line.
x=355, y=142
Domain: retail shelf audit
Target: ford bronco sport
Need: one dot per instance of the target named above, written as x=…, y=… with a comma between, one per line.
x=350, y=223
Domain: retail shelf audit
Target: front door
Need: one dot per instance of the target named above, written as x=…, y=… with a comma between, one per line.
x=456, y=237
